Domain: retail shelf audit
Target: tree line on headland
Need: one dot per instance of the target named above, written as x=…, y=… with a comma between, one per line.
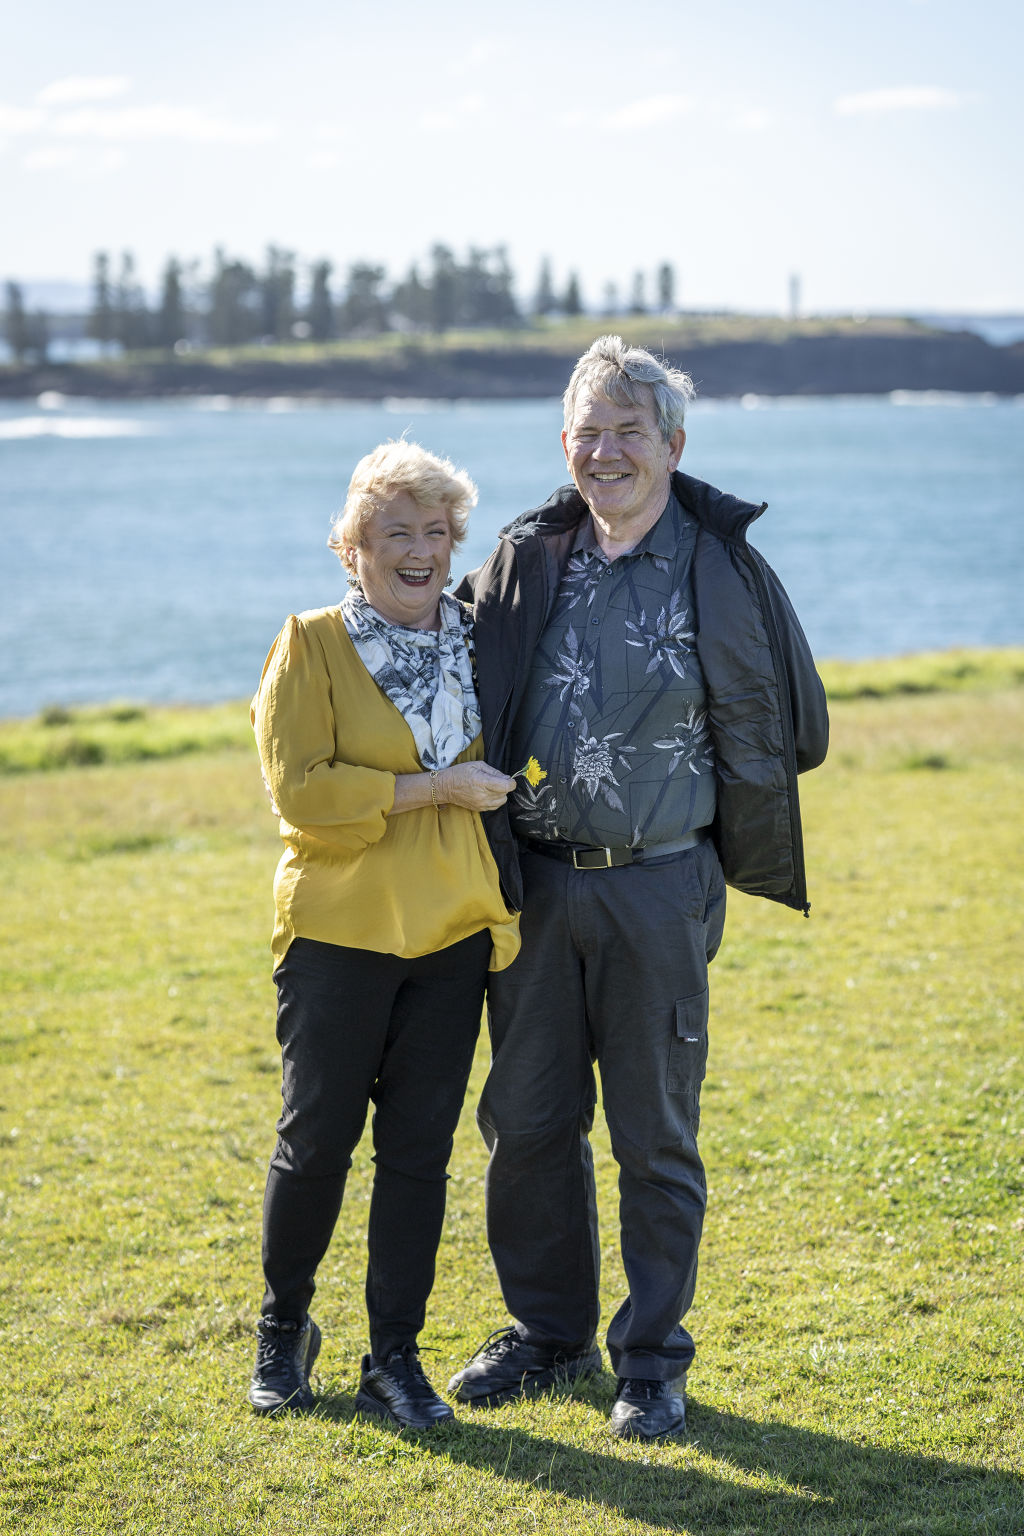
x=235, y=303
x=450, y=328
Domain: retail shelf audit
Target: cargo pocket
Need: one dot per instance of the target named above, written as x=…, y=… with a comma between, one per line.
x=688, y=1050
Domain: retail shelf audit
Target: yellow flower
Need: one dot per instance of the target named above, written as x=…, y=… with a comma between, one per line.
x=533, y=772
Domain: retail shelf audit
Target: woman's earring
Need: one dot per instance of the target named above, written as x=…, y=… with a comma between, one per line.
x=449, y=579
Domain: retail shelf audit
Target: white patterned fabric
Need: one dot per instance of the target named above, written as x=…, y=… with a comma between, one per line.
x=427, y=674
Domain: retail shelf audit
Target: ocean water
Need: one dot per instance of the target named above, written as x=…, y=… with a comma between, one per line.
x=151, y=550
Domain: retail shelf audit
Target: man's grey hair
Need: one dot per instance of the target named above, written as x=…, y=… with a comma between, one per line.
x=630, y=376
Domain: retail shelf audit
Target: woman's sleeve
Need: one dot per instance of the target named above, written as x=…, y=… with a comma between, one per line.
x=293, y=717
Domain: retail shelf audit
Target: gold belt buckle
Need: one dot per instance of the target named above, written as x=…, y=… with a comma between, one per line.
x=607, y=858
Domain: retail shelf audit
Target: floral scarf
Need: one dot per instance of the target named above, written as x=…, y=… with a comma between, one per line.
x=427, y=674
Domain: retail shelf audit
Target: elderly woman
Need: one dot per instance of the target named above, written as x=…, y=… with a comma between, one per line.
x=389, y=913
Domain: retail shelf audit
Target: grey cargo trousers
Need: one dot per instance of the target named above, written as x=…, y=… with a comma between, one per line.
x=613, y=969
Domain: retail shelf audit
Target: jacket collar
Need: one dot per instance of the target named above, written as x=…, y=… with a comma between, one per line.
x=725, y=515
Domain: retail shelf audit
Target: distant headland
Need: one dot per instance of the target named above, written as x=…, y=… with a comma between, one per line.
x=728, y=356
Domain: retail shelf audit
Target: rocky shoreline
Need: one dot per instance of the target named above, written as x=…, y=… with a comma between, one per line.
x=828, y=364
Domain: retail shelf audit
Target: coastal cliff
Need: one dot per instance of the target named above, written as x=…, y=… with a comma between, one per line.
x=840, y=362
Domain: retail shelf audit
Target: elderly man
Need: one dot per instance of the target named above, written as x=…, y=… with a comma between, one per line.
x=633, y=644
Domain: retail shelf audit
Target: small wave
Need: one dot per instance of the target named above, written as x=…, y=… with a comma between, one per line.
x=70, y=426
x=414, y=403
x=211, y=403
x=940, y=397
x=51, y=400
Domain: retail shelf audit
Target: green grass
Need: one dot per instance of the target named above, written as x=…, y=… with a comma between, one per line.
x=858, y=1315
x=63, y=737
x=563, y=337
x=69, y=737
x=927, y=672
x=574, y=335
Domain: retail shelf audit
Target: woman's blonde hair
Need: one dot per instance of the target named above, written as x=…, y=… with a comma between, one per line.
x=394, y=467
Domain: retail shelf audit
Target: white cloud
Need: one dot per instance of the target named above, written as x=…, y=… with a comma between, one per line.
x=105, y=161
x=190, y=125
x=754, y=120
x=903, y=98
x=17, y=120
x=454, y=115
x=650, y=111
x=48, y=158
x=480, y=53
x=88, y=162
x=82, y=88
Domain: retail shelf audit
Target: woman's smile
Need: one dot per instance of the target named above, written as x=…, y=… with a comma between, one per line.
x=404, y=560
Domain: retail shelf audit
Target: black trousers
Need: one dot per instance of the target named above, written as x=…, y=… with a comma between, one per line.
x=355, y=1028
x=613, y=968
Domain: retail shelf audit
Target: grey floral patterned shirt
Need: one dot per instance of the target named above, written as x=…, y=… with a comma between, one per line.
x=615, y=709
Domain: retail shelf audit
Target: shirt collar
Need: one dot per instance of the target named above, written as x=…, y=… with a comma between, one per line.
x=661, y=539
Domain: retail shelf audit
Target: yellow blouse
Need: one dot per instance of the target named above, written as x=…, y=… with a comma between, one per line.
x=331, y=743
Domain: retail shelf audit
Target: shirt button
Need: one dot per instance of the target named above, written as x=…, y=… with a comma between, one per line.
x=561, y=779
x=595, y=621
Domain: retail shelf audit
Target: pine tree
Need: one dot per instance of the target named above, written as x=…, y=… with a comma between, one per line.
x=638, y=302
x=412, y=300
x=473, y=284
x=506, y=310
x=572, y=303
x=666, y=288
x=544, y=301
x=131, y=318
x=234, y=314
x=443, y=289
x=364, y=311
x=170, y=317
x=16, y=322
x=320, y=312
x=101, y=322
x=39, y=334
x=277, y=290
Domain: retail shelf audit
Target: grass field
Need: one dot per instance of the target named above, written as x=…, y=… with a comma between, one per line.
x=859, y=1318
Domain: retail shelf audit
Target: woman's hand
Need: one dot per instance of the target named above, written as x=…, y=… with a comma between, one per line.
x=474, y=786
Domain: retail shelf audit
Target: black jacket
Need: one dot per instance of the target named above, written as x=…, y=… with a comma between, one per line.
x=766, y=704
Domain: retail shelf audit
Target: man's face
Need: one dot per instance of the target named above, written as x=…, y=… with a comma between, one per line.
x=619, y=460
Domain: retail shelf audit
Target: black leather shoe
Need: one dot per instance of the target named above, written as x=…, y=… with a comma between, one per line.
x=284, y=1358
x=397, y=1389
x=507, y=1366
x=649, y=1410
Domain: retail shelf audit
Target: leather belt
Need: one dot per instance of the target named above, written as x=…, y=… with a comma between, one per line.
x=615, y=858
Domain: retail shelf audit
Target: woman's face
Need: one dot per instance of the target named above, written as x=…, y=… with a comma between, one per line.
x=403, y=562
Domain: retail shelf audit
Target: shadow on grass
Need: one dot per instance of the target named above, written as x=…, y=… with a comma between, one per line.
x=773, y=1477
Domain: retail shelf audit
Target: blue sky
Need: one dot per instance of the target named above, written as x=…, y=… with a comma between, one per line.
x=873, y=148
